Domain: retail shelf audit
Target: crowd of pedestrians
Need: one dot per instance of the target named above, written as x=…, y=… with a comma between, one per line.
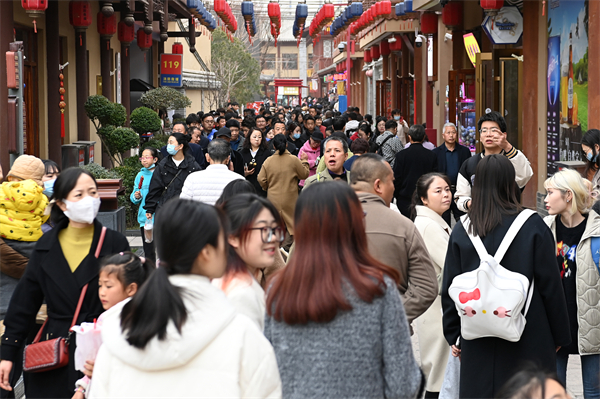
x=295, y=252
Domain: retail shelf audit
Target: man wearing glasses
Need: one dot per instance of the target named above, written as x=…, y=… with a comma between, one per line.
x=492, y=134
x=208, y=125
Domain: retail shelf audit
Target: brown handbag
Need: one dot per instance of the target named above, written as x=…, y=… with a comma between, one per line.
x=54, y=353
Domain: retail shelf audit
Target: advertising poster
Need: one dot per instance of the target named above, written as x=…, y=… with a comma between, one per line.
x=568, y=35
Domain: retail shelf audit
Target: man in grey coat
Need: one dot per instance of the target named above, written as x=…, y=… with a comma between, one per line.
x=393, y=238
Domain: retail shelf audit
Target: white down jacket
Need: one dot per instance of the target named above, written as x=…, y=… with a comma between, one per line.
x=587, y=283
x=207, y=185
x=218, y=354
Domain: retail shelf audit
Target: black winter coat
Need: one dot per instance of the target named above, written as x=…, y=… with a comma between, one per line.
x=166, y=172
x=261, y=156
x=410, y=165
x=48, y=278
x=487, y=363
x=463, y=154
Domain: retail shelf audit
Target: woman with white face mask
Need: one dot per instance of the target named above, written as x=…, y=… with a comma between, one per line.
x=62, y=267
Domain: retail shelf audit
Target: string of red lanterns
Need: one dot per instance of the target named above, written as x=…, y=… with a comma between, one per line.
x=223, y=10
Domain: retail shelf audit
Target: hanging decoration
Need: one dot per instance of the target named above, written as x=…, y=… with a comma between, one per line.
x=429, y=23
x=62, y=104
x=395, y=43
x=491, y=7
x=323, y=17
x=107, y=26
x=351, y=14
x=224, y=12
x=35, y=9
x=367, y=56
x=144, y=41
x=80, y=14
x=300, y=20
x=202, y=14
x=177, y=48
x=126, y=35
x=275, y=17
x=452, y=14
x=250, y=22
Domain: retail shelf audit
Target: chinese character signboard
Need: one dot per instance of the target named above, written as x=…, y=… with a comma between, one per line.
x=170, y=70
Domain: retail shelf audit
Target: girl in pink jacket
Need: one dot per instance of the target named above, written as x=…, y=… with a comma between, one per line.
x=312, y=148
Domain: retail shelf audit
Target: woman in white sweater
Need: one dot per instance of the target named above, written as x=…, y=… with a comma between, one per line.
x=255, y=232
x=179, y=337
x=431, y=199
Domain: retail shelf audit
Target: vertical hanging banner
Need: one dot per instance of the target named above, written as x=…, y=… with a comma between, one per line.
x=553, y=104
x=471, y=46
x=568, y=31
x=170, y=70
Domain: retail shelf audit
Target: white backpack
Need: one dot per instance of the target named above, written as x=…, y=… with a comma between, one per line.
x=490, y=298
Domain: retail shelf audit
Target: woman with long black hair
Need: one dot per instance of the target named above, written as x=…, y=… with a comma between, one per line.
x=61, y=268
x=179, y=336
x=487, y=363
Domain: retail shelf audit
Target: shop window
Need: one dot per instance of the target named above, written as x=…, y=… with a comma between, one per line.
x=289, y=61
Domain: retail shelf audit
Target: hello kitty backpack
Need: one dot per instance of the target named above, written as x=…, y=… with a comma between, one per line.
x=490, y=298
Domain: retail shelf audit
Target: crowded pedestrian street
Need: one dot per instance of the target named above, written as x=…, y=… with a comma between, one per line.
x=300, y=199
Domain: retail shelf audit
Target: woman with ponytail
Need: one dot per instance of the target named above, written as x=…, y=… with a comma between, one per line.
x=170, y=173
x=280, y=176
x=179, y=336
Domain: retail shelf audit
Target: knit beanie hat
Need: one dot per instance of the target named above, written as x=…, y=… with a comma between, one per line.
x=28, y=167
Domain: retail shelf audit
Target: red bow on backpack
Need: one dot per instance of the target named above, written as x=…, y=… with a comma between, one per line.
x=465, y=297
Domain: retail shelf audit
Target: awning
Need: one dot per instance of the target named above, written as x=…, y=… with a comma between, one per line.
x=325, y=71
x=385, y=29
x=427, y=5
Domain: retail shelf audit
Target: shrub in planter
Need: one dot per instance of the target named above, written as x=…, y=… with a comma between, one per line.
x=144, y=120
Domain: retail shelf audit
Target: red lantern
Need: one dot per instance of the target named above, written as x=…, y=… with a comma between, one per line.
x=35, y=8
x=144, y=40
x=328, y=11
x=386, y=7
x=219, y=6
x=367, y=56
x=491, y=7
x=126, y=32
x=107, y=26
x=429, y=23
x=80, y=14
x=375, y=53
x=177, y=48
x=384, y=47
x=274, y=11
x=378, y=9
x=395, y=45
x=452, y=14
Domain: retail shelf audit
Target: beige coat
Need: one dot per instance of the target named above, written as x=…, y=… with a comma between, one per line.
x=279, y=176
x=433, y=346
x=394, y=240
x=587, y=283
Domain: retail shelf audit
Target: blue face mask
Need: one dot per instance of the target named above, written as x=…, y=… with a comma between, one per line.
x=268, y=139
x=49, y=188
x=296, y=136
x=397, y=117
x=171, y=149
x=590, y=157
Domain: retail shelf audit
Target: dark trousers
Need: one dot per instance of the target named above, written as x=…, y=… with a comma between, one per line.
x=149, y=251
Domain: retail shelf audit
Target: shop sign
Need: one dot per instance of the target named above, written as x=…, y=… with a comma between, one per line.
x=170, y=70
x=471, y=46
x=290, y=91
x=339, y=76
x=255, y=105
x=504, y=28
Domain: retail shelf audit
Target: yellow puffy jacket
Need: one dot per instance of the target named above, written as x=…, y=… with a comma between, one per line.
x=22, y=206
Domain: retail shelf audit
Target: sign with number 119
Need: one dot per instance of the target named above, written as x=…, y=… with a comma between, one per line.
x=170, y=70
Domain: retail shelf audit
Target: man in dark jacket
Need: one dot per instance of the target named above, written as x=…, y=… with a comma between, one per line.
x=450, y=157
x=410, y=165
x=236, y=158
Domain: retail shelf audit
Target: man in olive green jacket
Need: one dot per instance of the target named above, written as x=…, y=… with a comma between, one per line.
x=393, y=238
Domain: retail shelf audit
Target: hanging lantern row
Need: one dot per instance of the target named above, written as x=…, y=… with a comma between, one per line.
x=202, y=14
x=323, y=17
x=452, y=14
x=377, y=11
x=346, y=18
x=275, y=17
x=404, y=10
x=429, y=23
x=300, y=19
x=223, y=10
x=491, y=7
x=248, y=14
x=35, y=9
x=107, y=26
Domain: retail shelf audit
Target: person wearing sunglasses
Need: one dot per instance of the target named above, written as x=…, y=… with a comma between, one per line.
x=255, y=233
x=492, y=134
x=149, y=159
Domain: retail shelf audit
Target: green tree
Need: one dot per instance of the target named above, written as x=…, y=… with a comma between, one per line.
x=164, y=99
x=235, y=68
x=144, y=120
x=108, y=118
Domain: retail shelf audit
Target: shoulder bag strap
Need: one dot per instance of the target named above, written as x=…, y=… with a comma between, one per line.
x=81, y=296
x=172, y=180
x=512, y=233
x=386, y=139
x=477, y=243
